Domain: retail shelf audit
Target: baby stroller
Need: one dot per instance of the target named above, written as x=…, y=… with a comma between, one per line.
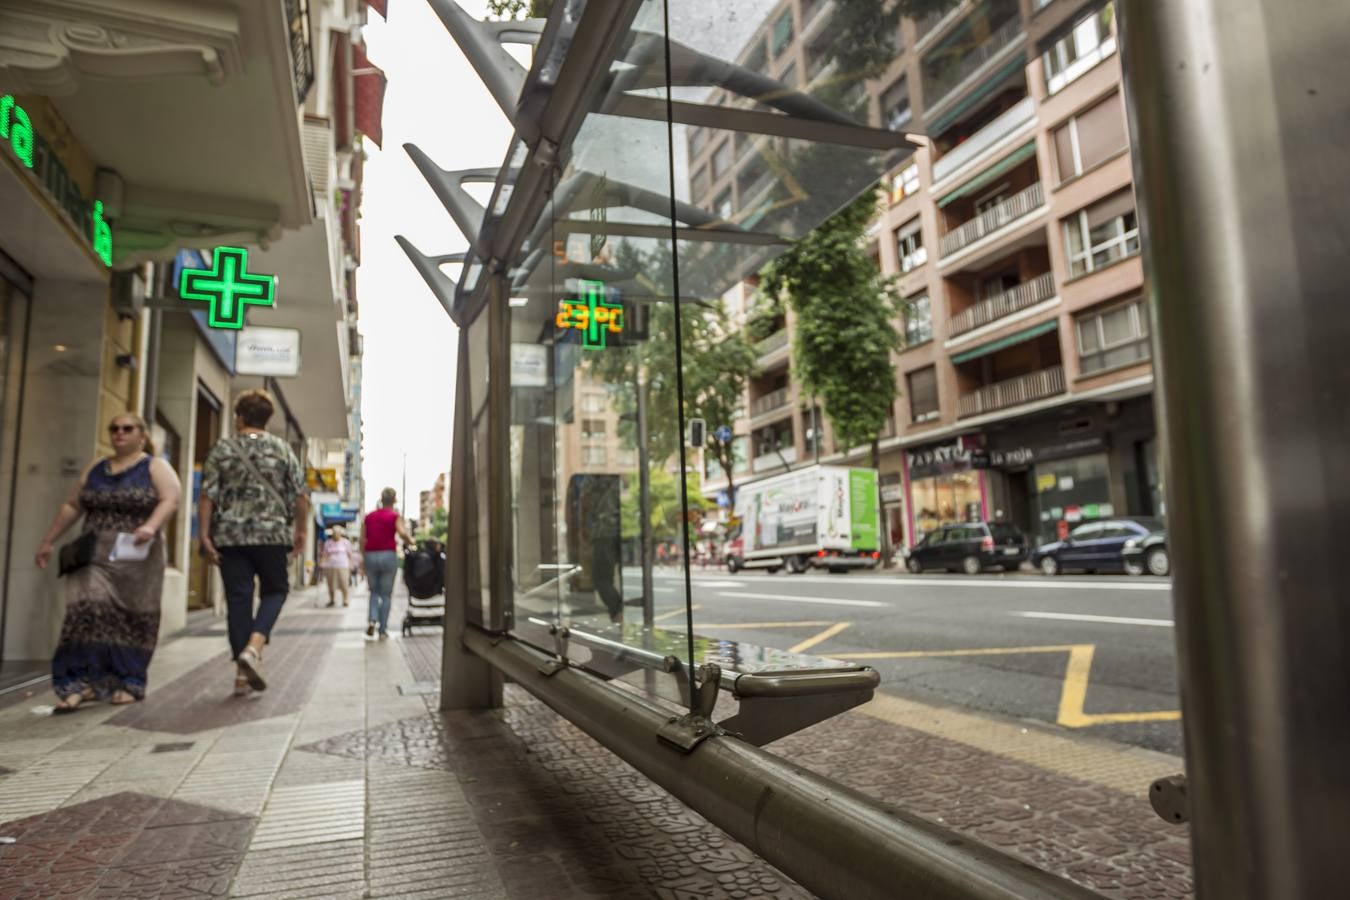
x=424, y=576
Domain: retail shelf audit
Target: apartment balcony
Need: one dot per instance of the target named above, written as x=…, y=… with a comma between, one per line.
x=1025, y=295
x=770, y=402
x=1012, y=392
x=991, y=220
x=773, y=349
x=985, y=139
x=940, y=85
x=776, y=460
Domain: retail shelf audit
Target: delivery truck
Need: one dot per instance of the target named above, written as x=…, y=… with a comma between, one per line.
x=824, y=517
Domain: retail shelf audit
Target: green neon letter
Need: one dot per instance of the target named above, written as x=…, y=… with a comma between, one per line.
x=6, y=104
x=102, y=235
x=21, y=137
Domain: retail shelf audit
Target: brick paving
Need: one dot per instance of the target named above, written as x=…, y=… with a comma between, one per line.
x=339, y=781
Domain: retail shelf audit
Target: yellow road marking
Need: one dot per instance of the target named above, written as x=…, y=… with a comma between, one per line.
x=678, y=611
x=816, y=639
x=805, y=624
x=1073, y=694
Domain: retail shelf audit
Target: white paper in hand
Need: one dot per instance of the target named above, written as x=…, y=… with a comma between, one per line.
x=125, y=549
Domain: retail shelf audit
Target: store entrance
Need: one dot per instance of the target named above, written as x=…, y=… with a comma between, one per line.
x=15, y=668
x=205, y=437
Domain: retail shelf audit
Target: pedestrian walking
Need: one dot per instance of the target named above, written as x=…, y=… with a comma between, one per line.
x=114, y=569
x=380, y=533
x=251, y=516
x=335, y=560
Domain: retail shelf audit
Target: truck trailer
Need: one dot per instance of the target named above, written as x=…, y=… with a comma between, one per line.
x=823, y=517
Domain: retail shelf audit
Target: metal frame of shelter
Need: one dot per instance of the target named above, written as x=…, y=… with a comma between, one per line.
x=1222, y=95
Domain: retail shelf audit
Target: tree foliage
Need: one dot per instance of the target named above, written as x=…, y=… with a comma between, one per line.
x=437, y=529
x=846, y=312
x=514, y=9
x=666, y=512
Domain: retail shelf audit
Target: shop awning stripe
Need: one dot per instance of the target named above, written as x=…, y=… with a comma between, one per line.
x=1016, y=338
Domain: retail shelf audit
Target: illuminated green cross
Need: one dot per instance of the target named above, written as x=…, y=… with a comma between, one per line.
x=598, y=326
x=228, y=287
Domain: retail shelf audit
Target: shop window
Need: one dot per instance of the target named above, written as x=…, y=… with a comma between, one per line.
x=1102, y=233
x=909, y=248
x=1092, y=40
x=918, y=320
x=782, y=33
x=923, y=394
x=943, y=500
x=1090, y=138
x=895, y=110
x=1071, y=493
x=905, y=183
x=1112, y=338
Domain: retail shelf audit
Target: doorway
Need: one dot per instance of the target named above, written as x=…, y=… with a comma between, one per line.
x=205, y=435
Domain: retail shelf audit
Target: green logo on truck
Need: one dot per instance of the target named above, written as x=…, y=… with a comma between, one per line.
x=862, y=502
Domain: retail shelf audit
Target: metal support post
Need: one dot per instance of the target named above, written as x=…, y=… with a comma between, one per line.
x=501, y=581
x=1238, y=118
x=467, y=681
x=645, y=504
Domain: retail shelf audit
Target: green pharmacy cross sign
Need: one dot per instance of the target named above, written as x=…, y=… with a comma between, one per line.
x=592, y=314
x=228, y=287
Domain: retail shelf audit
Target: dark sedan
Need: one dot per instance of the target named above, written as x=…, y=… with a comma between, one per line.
x=1098, y=547
x=1147, y=554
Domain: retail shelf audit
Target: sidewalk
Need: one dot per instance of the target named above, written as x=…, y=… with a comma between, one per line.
x=342, y=780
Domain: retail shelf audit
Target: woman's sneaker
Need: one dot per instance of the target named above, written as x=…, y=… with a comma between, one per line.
x=370, y=630
x=251, y=666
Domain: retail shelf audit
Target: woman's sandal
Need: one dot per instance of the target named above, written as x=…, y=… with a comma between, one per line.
x=71, y=702
x=122, y=698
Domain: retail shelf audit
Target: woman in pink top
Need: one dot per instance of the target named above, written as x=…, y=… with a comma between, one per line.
x=380, y=531
x=335, y=559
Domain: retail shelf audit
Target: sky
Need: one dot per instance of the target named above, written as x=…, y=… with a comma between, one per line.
x=435, y=100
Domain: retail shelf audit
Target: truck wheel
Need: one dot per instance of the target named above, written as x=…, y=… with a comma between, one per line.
x=774, y=570
x=914, y=565
x=796, y=565
x=971, y=565
x=733, y=564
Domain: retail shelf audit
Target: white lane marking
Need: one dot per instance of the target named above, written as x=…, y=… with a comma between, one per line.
x=1082, y=617
x=790, y=598
x=701, y=583
x=941, y=581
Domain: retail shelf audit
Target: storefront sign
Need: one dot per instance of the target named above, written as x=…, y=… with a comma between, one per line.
x=939, y=458
x=892, y=493
x=267, y=351
x=321, y=479
x=228, y=287
x=16, y=127
x=593, y=314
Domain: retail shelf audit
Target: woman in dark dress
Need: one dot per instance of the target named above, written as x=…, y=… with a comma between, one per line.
x=112, y=606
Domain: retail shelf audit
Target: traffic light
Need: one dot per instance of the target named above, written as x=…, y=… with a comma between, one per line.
x=696, y=433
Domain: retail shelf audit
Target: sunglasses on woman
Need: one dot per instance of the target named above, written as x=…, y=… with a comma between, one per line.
x=122, y=429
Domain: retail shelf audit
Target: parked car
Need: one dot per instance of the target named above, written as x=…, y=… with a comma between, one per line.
x=1147, y=554
x=1098, y=547
x=969, y=547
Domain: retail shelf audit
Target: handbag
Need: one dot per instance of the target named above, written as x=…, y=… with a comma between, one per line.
x=271, y=489
x=77, y=554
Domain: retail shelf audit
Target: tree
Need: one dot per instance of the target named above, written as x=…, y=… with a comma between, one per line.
x=666, y=512
x=513, y=9
x=718, y=365
x=436, y=529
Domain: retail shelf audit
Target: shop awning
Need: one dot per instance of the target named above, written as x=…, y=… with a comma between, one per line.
x=994, y=346
x=989, y=175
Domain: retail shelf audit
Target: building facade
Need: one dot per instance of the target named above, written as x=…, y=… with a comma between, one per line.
x=1025, y=379
x=99, y=218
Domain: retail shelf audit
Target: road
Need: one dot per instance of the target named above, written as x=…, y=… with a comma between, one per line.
x=1093, y=654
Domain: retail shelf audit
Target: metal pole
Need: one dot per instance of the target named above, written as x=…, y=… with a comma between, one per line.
x=1240, y=133
x=645, y=505
x=834, y=841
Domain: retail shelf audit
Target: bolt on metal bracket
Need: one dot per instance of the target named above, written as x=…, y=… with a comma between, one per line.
x=686, y=732
x=558, y=664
